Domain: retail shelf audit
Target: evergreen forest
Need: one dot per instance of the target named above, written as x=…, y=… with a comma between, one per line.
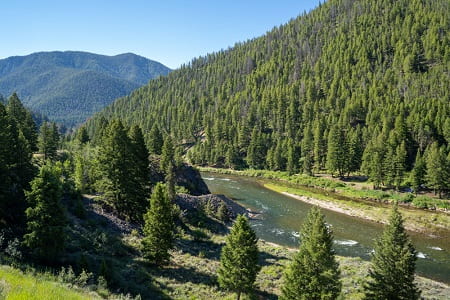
x=351, y=87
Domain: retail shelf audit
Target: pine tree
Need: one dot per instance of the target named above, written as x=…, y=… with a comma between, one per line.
x=45, y=215
x=16, y=171
x=256, y=150
x=418, y=172
x=167, y=155
x=372, y=161
x=292, y=158
x=437, y=169
x=320, y=149
x=82, y=135
x=239, y=258
x=400, y=165
x=355, y=150
x=337, y=152
x=156, y=140
x=159, y=227
x=48, y=140
x=391, y=275
x=24, y=121
x=307, y=151
x=140, y=173
x=115, y=166
x=314, y=271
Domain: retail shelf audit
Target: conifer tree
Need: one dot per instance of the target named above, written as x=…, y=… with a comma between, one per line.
x=438, y=171
x=82, y=135
x=167, y=154
x=320, y=149
x=239, y=258
x=292, y=158
x=140, y=173
x=159, y=227
x=418, y=172
x=24, y=121
x=116, y=166
x=48, y=140
x=16, y=171
x=156, y=140
x=307, y=151
x=337, y=152
x=314, y=271
x=391, y=275
x=399, y=164
x=45, y=215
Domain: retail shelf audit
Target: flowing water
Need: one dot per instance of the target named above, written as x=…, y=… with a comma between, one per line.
x=282, y=216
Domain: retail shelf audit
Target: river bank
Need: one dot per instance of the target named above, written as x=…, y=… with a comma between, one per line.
x=429, y=222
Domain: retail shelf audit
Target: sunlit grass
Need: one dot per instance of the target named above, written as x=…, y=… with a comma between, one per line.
x=16, y=285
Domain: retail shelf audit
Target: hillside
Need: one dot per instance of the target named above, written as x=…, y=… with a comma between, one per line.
x=70, y=86
x=351, y=86
x=191, y=273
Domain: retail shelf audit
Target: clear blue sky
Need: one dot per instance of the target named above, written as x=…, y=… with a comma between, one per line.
x=169, y=31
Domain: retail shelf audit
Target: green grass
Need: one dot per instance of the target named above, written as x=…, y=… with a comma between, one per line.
x=14, y=284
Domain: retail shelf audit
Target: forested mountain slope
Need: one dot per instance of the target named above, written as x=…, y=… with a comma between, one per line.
x=351, y=85
x=70, y=86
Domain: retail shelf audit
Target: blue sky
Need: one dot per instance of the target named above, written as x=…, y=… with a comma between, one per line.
x=169, y=31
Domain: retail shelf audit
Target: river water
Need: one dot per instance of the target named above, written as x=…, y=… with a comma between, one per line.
x=282, y=216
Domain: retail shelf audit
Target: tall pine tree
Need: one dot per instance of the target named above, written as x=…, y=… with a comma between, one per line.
x=116, y=168
x=418, y=173
x=159, y=227
x=45, y=216
x=239, y=258
x=156, y=140
x=314, y=271
x=438, y=172
x=140, y=173
x=391, y=275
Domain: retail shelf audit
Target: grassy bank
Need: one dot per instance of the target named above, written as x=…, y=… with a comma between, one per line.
x=339, y=196
x=15, y=284
x=192, y=274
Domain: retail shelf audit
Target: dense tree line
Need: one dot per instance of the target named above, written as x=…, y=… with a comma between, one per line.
x=351, y=86
x=18, y=140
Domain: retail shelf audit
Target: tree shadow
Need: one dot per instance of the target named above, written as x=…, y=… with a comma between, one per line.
x=205, y=248
x=267, y=259
x=96, y=245
x=185, y=274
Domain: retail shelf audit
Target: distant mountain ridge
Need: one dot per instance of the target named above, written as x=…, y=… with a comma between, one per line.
x=70, y=86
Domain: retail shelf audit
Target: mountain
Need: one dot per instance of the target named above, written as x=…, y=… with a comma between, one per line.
x=350, y=86
x=70, y=86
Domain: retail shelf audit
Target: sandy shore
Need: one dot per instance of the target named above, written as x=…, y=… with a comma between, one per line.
x=335, y=207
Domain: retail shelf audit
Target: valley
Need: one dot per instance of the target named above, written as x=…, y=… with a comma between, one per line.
x=311, y=161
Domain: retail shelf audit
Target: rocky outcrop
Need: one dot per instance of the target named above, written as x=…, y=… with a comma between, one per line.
x=190, y=178
x=191, y=203
x=185, y=175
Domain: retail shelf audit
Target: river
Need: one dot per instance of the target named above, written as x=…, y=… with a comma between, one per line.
x=282, y=216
